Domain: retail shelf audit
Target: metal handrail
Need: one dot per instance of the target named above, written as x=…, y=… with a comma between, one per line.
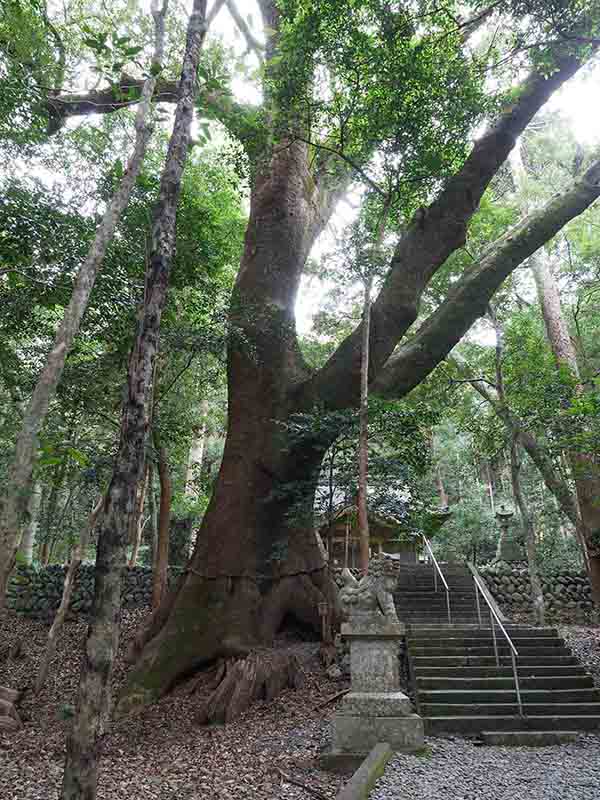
x=436, y=566
x=514, y=653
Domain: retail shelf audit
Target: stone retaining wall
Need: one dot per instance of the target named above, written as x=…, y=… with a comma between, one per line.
x=567, y=595
x=37, y=592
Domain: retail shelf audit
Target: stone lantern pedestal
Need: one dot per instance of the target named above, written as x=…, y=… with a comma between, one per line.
x=375, y=710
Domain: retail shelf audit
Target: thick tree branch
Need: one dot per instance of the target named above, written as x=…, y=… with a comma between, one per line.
x=128, y=92
x=433, y=235
x=251, y=40
x=468, y=298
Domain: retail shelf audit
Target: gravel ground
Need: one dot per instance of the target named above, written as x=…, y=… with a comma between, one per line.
x=163, y=754
x=584, y=641
x=458, y=769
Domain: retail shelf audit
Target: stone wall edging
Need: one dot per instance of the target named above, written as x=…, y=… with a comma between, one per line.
x=37, y=592
x=567, y=594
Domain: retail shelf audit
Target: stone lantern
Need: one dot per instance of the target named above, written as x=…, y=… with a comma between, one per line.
x=508, y=549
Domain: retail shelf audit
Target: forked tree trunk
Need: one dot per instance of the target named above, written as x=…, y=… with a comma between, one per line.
x=256, y=558
x=80, y=777
x=537, y=594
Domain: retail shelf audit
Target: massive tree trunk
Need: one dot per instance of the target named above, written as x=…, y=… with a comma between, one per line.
x=256, y=561
x=256, y=558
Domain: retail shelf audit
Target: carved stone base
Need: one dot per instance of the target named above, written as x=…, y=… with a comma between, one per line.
x=358, y=734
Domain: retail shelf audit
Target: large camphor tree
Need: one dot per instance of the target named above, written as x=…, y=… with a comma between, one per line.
x=353, y=92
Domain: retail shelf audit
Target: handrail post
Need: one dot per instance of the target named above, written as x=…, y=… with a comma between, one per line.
x=513, y=650
x=478, y=603
x=494, y=639
x=517, y=687
x=437, y=570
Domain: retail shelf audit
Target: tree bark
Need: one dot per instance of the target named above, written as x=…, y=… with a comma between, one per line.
x=537, y=593
x=80, y=777
x=137, y=519
x=29, y=534
x=17, y=490
x=161, y=561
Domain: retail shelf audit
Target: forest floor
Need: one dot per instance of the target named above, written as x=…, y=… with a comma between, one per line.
x=162, y=754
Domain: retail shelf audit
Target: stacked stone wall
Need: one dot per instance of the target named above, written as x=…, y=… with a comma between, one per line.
x=37, y=592
x=567, y=595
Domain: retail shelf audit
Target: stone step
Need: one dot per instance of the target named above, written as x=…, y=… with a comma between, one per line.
x=499, y=672
x=507, y=709
x=476, y=632
x=498, y=696
x=488, y=661
x=528, y=738
x=476, y=724
x=520, y=642
x=407, y=598
x=535, y=682
x=503, y=649
x=413, y=619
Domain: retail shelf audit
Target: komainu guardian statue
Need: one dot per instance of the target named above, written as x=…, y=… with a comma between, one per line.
x=370, y=599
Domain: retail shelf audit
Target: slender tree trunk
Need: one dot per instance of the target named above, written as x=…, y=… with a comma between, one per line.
x=196, y=455
x=137, y=521
x=363, y=436
x=50, y=516
x=17, y=490
x=80, y=778
x=29, y=534
x=490, y=484
x=161, y=561
x=585, y=468
x=442, y=493
x=537, y=594
x=77, y=554
x=151, y=529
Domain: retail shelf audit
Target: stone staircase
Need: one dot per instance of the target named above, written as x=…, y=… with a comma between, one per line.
x=458, y=686
x=418, y=603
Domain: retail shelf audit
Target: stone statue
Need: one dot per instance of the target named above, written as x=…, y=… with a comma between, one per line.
x=370, y=599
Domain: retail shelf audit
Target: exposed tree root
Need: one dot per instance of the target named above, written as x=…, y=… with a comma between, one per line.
x=9, y=717
x=237, y=684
